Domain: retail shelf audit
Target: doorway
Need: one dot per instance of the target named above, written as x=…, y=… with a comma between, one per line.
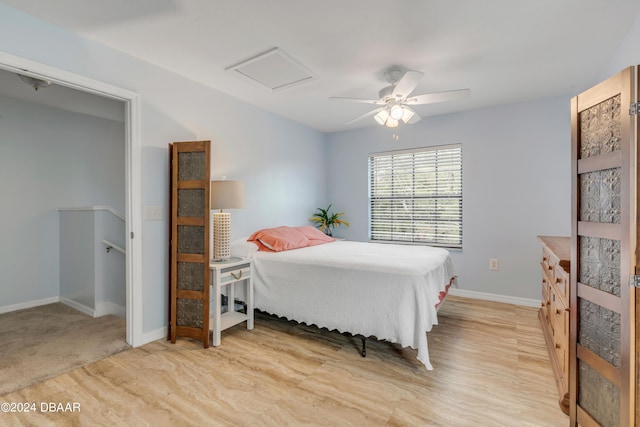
x=133, y=311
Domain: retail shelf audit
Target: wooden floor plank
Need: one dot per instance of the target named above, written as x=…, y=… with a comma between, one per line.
x=490, y=363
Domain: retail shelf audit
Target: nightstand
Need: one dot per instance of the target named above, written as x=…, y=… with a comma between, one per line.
x=227, y=274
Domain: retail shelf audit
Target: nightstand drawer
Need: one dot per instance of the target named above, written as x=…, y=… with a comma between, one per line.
x=233, y=274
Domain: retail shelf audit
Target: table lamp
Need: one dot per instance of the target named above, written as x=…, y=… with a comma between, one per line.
x=224, y=195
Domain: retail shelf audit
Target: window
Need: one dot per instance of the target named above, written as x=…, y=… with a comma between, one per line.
x=415, y=196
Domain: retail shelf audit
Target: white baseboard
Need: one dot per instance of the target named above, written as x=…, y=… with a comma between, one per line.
x=160, y=333
x=80, y=307
x=29, y=304
x=102, y=309
x=527, y=302
x=109, y=307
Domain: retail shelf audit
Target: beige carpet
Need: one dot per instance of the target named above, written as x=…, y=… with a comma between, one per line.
x=41, y=342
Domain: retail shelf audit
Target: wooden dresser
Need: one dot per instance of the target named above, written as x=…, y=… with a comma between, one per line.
x=554, y=312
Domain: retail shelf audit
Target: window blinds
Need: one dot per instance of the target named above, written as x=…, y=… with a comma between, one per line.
x=416, y=196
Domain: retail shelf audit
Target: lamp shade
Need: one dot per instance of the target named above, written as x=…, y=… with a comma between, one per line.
x=391, y=122
x=382, y=116
x=407, y=114
x=227, y=194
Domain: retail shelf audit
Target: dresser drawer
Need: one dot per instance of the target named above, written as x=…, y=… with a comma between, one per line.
x=559, y=317
x=558, y=314
x=556, y=274
x=561, y=282
x=550, y=259
x=546, y=297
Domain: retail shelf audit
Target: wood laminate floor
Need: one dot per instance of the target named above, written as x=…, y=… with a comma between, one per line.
x=491, y=368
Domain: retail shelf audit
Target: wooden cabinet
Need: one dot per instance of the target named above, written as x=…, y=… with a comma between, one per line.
x=605, y=262
x=554, y=312
x=189, y=274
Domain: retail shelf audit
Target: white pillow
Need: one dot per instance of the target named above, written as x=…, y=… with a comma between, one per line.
x=243, y=249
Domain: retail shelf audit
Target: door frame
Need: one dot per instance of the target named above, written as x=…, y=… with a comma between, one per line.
x=133, y=173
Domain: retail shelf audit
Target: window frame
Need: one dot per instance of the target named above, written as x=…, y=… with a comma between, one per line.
x=438, y=238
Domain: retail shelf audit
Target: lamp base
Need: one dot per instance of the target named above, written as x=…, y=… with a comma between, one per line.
x=221, y=235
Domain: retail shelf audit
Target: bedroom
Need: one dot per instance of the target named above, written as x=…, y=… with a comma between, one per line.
x=290, y=169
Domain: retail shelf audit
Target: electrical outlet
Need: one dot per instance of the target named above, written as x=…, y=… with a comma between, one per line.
x=493, y=264
x=153, y=213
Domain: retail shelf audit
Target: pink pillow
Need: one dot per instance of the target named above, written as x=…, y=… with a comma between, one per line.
x=315, y=236
x=279, y=239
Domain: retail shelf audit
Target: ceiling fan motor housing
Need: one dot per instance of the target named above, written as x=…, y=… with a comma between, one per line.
x=393, y=76
x=386, y=94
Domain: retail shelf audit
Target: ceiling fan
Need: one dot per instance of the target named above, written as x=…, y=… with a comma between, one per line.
x=396, y=99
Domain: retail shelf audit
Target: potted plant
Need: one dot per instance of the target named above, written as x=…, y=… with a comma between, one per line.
x=326, y=220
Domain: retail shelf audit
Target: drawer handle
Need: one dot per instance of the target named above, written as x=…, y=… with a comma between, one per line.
x=558, y=345
x=238, y=276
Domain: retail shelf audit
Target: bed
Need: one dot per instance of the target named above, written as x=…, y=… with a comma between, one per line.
x=387, y=291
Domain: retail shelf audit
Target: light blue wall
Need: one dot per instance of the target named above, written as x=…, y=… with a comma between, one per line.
x=282, y=163
x=49, y=158
x=517, y=181
x=516, y=161
x=516, y=185
x=627, y=54
x=78, y=257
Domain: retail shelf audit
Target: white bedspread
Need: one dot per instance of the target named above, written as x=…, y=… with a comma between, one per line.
x=382, y=290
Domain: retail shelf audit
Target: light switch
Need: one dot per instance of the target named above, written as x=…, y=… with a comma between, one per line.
x=153, y=213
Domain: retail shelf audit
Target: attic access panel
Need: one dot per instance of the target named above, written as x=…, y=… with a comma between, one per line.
x=273, y=69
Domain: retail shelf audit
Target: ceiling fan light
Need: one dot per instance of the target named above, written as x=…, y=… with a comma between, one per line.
x=397, y=112
x=407, y=114
x=381, y=117
x=391, y=122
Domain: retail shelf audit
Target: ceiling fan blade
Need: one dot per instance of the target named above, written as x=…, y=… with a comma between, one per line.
x=359, y=100
x=431, y=98
x=407, y=84
x=370, y=113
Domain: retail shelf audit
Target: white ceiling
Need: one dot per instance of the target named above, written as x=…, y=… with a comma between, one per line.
x=503, y=50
